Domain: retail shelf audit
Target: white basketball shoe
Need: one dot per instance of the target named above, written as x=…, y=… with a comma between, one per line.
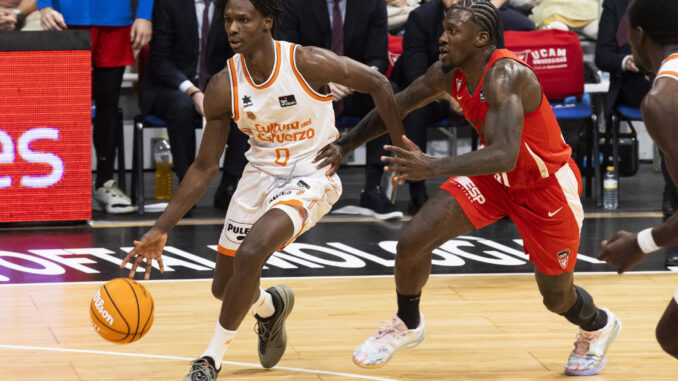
x=390, y=337
x=588, y=357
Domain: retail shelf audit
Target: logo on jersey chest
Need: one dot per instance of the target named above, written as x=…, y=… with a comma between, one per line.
x=459, y=82
x=246, y=101
x=287, y=100
x=482, y=96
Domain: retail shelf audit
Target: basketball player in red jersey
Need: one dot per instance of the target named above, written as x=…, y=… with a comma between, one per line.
x=654, y=42
x=277, y=92
x=524, y=172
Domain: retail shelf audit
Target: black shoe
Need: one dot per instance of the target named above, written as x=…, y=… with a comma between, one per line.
x=222, y=197
x=379, y=205
x=667, y=209
x=271, y=330
x=671, y=258
x=418, y=197
x=202, y=369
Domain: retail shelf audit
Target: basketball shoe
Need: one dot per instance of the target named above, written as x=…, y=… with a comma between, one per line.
x=111, y=199
x=202, y=369
x=378, y=349
x=588, y=357
x=271, y=330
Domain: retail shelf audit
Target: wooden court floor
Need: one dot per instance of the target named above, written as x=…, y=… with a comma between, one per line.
x=479, y=328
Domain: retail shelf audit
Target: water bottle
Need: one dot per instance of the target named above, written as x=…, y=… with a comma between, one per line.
x=610, y=189
x=163, y=169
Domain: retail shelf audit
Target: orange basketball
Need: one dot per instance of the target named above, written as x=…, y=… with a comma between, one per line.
x=121, y=311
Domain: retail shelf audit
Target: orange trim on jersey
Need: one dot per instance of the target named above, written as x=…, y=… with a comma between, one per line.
x=302, y=82
x=225, y=251
x=271, y=80
x=296, y=203
x=671, y=58
x=668, y=72
x=234, y=89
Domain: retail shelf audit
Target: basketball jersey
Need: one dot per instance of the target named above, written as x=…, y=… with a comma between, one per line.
x=543, y=150
x=286, y=120
x=669, y=67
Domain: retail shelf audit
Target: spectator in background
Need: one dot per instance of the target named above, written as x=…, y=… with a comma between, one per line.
x=628, y=86
x=115, y=41
x=356, y=29
x=397, y=11
x=576, y=15
x=19, y=15
x=189, y=46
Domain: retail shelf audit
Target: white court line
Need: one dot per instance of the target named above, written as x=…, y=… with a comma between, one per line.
x=302, y=370
x=670, y=270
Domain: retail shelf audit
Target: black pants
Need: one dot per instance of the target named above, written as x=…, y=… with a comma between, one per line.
x=106, y=133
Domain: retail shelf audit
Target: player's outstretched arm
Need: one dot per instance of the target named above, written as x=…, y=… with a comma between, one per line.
x=511, y=90
x=624, y=250
x=433, y=85
x=217, y=105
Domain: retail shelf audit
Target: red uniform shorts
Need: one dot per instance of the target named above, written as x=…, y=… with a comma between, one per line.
x=111, y=45
x=548, y=215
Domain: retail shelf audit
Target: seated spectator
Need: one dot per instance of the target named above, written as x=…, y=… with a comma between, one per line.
x=19, y=15
x=397, y=11
x=576, y=15
x=115, y=41
x=359, y=31
x=628, y=86
x=185, y=52
x=511, y=18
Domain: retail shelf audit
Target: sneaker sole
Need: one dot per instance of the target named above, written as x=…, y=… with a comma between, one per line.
x=395, y=215
x=286, y=294
x=381, y=364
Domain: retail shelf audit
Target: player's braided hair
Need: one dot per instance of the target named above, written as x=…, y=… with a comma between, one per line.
x=483, y=14
x=657, y=18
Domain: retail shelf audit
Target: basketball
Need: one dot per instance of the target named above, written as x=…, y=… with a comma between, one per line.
x=121, y=311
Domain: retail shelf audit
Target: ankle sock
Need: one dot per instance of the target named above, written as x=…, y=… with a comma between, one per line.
x=408, y=309
x=218, y=345
x=264, y=306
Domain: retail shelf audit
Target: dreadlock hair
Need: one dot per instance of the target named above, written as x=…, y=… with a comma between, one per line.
x=272, y=8
x=484, y=14
x=657, y=18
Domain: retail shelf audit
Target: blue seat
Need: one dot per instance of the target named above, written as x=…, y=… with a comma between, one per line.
x=141, y=122
x=579, y=108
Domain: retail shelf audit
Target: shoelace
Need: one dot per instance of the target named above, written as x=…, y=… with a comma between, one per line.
x=583, y=343
x=386, y=328
x=202, y=371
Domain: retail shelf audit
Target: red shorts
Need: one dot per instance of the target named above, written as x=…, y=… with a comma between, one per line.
x=548, y=215
x=111, y=45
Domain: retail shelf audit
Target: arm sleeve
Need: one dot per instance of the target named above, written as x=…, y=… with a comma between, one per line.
x=161, y=65
x=144, y=9
x=608, y=55
x=45, y=4
x=376, y=47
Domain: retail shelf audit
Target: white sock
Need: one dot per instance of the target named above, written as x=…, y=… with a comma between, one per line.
x=220, y=341
x=264, y=305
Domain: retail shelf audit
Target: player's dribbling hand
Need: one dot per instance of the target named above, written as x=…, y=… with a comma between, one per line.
x=410, y=163
x=332, y=155
x=622, y=251
x=149, y=248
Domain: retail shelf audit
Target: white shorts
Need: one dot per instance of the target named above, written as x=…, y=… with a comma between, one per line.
x=305, y=199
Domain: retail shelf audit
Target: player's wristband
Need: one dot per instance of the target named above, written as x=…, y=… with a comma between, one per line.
x=646, y=241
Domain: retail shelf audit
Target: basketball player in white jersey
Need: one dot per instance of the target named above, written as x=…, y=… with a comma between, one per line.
x=654, y=41
x=278, y=94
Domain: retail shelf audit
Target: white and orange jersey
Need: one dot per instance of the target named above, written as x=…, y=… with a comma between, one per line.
x=287, y=121
x=669, y=67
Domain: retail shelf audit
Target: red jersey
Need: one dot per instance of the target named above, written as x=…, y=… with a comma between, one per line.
x=543, y=150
